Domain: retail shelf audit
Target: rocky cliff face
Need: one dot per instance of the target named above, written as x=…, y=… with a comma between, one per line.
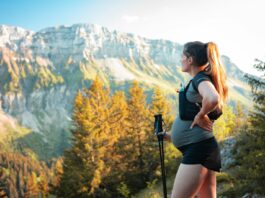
x=40, y=73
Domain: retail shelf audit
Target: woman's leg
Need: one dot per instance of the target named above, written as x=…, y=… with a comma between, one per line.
x=208, y=189
x=189, y=180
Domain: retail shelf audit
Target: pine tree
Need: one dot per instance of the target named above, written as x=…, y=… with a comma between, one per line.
x=250, y=147
x=43, y=185
x=18, y=175
x=116, y=154
x=118, y=127
x=85, y=163
x=32, y=186
x=99, y=140
x=136, y=136
x=57, y=174
x=138, y=114
x=241, y=115
x=3, y=188
x=159, y=105
x=71, y=180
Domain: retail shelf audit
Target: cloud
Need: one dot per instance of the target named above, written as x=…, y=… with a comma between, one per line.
x=134, y=18
x=130, y=19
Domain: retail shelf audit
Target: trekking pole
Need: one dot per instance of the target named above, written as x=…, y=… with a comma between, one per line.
x=160, y=135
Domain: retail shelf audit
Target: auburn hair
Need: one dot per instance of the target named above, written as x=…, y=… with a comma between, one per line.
x=203, y=53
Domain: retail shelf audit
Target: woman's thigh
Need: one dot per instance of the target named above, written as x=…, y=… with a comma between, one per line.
x=188, y=181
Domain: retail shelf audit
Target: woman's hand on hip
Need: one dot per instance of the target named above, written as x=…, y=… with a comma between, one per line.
x=203, y=121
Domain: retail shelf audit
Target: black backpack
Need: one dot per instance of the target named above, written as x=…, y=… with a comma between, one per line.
x=188, y=110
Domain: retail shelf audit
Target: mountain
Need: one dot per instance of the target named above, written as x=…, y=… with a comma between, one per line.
x=40, y=73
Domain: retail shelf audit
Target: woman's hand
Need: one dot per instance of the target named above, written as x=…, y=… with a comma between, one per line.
x=167, y=136
x=203, y=121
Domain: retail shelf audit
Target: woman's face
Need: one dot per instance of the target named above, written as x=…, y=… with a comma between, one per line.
x=186, y=63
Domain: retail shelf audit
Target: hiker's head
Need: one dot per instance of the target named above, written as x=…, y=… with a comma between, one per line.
x=194, y=55
x=206, y=56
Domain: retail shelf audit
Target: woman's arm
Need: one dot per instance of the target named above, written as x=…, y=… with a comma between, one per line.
x=210, y=100
x=210, y=97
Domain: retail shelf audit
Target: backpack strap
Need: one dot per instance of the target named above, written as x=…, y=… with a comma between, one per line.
x=199, y=77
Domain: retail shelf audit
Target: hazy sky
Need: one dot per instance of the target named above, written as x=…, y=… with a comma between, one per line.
x=237, y=26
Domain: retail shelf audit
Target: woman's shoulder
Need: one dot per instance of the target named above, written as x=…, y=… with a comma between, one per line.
x=192, y=95
x=199, y=77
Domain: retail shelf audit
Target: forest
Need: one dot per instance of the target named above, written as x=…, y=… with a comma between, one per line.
x=114, y=151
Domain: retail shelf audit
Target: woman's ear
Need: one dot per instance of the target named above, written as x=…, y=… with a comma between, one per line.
x=190, y=60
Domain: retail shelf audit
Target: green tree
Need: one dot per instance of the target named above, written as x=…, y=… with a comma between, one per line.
x=57, y=174
x=138, y=127
x=85, y=163
x=99, y=138
x=241, y=116
x=70, y=183
x=32, y=186
x=161, y=106
x=43, y=185
x=138, y=115
x=250, y=152
x=116, y=155
x=225, y=125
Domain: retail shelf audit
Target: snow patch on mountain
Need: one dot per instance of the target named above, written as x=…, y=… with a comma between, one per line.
x=11, y=36
x=117, y=69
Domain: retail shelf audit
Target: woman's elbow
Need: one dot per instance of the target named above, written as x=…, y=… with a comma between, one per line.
x=215, y=100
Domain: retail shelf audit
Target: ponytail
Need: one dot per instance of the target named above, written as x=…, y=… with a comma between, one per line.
x=217, y=72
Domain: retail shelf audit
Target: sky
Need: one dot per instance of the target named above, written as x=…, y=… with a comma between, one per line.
x=236, y=26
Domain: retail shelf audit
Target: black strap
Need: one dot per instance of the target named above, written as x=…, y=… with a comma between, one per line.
x=187, y=86
x=199, y=77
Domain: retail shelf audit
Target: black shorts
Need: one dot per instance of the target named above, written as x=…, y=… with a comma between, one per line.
x=205, y=152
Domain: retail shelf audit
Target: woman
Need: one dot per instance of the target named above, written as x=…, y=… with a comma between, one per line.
x=194, y=138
